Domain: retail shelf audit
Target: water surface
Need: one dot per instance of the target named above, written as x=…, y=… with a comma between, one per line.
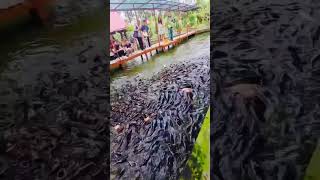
x=189, y=50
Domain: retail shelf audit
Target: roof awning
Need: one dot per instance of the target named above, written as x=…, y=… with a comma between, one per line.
x=164, y=5
x=117, y=23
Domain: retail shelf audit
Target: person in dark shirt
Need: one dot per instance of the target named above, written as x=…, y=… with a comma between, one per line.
x=145, y=27
x=145, y=31
x=119, y=50
x=127, y=46
x=170, y=27
x=137, y=34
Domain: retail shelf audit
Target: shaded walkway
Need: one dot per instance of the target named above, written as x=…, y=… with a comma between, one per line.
x=162, y=45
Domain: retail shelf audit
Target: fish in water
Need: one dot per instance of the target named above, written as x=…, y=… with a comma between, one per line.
x=119, y=128
x=171, y=121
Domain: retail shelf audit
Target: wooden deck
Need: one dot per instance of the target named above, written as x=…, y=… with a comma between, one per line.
x=163, y=45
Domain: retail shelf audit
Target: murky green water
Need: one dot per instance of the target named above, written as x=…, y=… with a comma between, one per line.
x=189, y=50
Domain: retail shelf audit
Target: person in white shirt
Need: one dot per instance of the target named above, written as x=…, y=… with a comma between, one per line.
x=161, y=30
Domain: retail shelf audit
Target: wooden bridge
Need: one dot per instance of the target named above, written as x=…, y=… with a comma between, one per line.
x=155, y=47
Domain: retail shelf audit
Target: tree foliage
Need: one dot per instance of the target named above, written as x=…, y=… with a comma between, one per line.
x=197, y=18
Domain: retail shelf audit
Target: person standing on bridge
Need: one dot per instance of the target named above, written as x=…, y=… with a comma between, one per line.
x=171, y=22
x=138, y=35
x=145, y=31
x=160, y=29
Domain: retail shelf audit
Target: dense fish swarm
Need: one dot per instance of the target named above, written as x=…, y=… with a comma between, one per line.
x=57, y=126
x=266, y=64
x=161, y=118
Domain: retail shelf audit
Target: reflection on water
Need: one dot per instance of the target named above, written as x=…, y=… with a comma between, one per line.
x=49, y=73
x=69, y=20
x=29, y=47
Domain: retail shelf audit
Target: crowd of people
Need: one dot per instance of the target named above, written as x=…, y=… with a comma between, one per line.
x=120, y=49
x=140, y=38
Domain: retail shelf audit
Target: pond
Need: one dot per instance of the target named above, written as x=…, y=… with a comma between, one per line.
x=48, y=73
x=151, y=88
x=35, y=47
x=191, y=49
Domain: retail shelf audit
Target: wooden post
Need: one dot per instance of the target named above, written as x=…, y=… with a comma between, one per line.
x=125, y=34
x=162, y=27
x=121, y=35
x=156, y=25
x=180, y=26
x=188, y=28
x=135, y=13
x=144, y=19
x=137, y=18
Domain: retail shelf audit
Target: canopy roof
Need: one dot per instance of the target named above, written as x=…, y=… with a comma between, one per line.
x=117, y=23
x=164, y=5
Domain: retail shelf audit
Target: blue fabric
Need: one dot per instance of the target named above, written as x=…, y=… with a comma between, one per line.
x=145, y=28
x=171, y=33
